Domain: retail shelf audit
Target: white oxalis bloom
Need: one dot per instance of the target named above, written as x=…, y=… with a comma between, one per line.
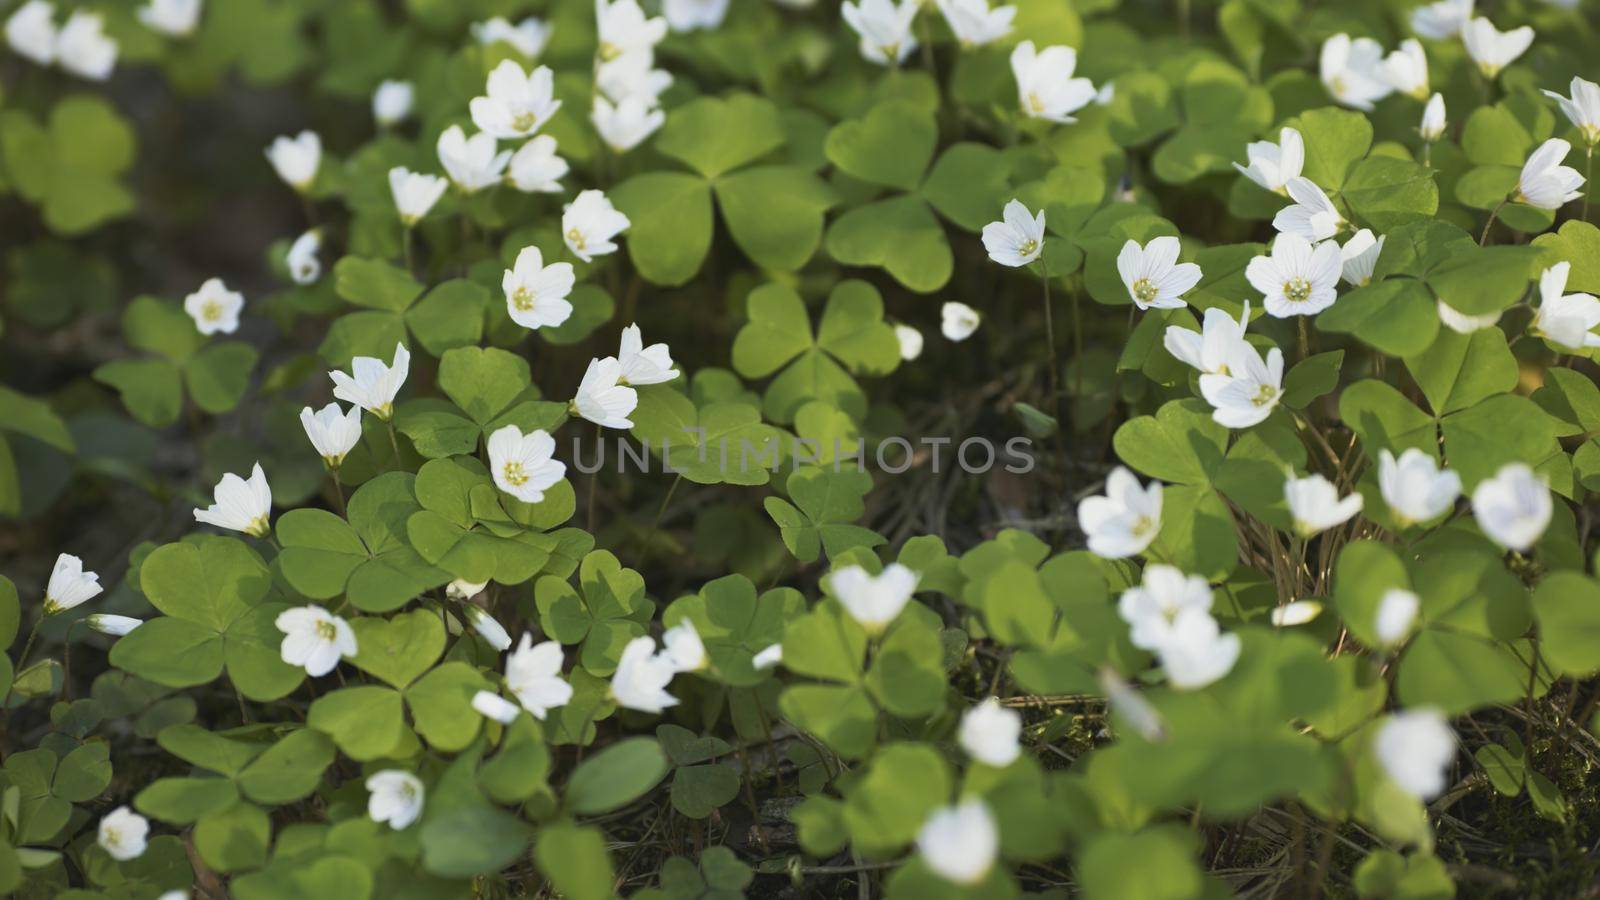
x=371, y=384
x=175, y=18
x=1415, y=748
x=1196, y=653
x=989, y=733
x=1352, y=71
x=1433, y=119
x=1250, y=389
x=1297, y=279
x=536, y=294
x=632, y=74
x=240, y=505
x=974, y=24
x=1297, y=612
x=83, y=48
x=493, y=706
x=517, y=103
x=1273, y=165
x=958, y=321
x=414, y=193
x=1018, y=238
x=1045, y=86
x=1151, y=607
x=472, y=163
x=488, y=628
x=1312, y=215
x=527, y=37
x=589, y=223
x=536, y=169
x=1414, y=486
x=643, y=365
x=873, y=600
x=1545, y=182
x=533, y=675
x=332, y=431
x=623, y=28
x=314, y=639
x=1315, y=505
x=69, y=585
x=214, y=308
x=392, y=101
x=1441, y=20
x=1407, y=69
x=123, y=834
x=690, y=15
x=1461, y=323
x=1562, y=318
x=301, y=260
x=1131, y=705
x=396, y=797
x=768, y=657
x=884, y=27
x=626, y=124
x=296, y=159
x=1397, y=611
x=1359, y=257
x=1582, y=109
x=113, y=625
x=1125, y=520
x=642, y=677
x=682, y=648
x=1514, y=507
x=960, y=843
x=524, y=465
x=462, y=589
x=602, y=398
x=1154, y=277
x=1493, y=49
x=910, y=341
x=1209, y=349
x=31, y=31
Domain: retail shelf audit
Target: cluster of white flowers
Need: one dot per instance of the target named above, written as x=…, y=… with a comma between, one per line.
x=79, y=45
x=606, y=395
x=1169, y=614
x=628, y=86
x=643, y=673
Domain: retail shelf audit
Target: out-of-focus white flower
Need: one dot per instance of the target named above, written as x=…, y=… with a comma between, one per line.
x=642, y=676
x=517, y=103
x=31, y=31
x=873, y=600
x=1359, y=256
x=214, y=308
x=689, y=15
x=69, y=585
x=1250, y=389
x=472, y=163
x=536, y=169
x=493, y=706
x=1545, y=182
x=1397, y=612
x=240, y=505
x=174, y=18
x=910, y=342
x=627, y=124
x=1441, y=20
x=396, y=797
x=1433, y=120
x=884, y=27
x=314, y=639
x=332, y=431
x=123, y=833
x=1582, y=109
x=302, y=262
x=1132, y=706
x=1563, y=318
x=1197, y=653
x=527, y=37
x=524, y=465
x=536, y=294
x=990, y=732
x=392, y=102
x=1312, y=216
x=682, y=648
x=623, y=28
x=643, y=365
x=589, y=224
x=488, y=627
x=1297, y=279
x=1046, y=88
x=1125, y=520
x=1315, y=505
x=1493, y=49
x=414, y=193
x=1352, y=71
x=462, y=589
x=1414, y=487
x=1407, y=69
x=632, y=75
x=106, y=623
x=296, y=159
x=1018, y=238
x=1209, y=349
x=1461, y=323
x=1297, y=612
x=974, y=24
x=602, y=398
x=1272, y=166
x=533, y=675
x=1415, y=748
x=958, y=321
x=373, y=385
x=768, y=657
x=960, y=843
x=1514, y=507
x=1151, y=607
x=1154, y=277
x=84, y=49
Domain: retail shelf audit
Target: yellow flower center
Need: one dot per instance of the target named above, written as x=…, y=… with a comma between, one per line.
x=1297, y=290
x=514, y=474
x=609, y=51
x=1035, y=103
x=524, y=121
x=1265, y=394
x=1143, y=526
x=575, y=238
x=1028, y=247
x=1144, y=290
x=522, y=299
x=211, y=311
x=327, y=631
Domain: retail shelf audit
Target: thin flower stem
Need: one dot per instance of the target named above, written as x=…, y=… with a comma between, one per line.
x=338, y=489
x=1427, y=154
x=1305, y=339
x=1588, y=184
x=1484, y=238
x=22, y=662
x=1050, y=344
x=405, y=241
x=394, y=442
x=1077, y=358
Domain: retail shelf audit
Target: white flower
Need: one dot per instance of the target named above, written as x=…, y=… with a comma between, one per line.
x=332, y=431
x=1414, y=487
x=373, y=385
x=602, y=398
x=768, y=657
x=414, y=193
x=524, y=465
x=69, y=585
x=1461, y=323
x=1359, y=256
x=873, y=600
x=1441, y=20
x=688, y=15
x=960, y=843
x=1297, y=612
x=1433, y=120
x=589, y=223
x=1018, y=238
x=1132, y=706
x=1415, y=748
x=632, y=74
x=176, y=18
x=910, y=342
x=122, y=834
x=642, y=677
x=682, y=648
x=314, y=639
x=1297, y=279
x=517, y=103
x=1154, y=277
x=1312, y=216
x=1196, y=653
x=958, y=321
x=1492, y=49
x=989, y=733
x=974, y=23
x=527, y=37
x=493, y=706
x=487, y=627
x=884, y=27
x=1407, y=69
x=643, y=365
x=471, y=163
x=1315, y=505
x=1151, y=607
x=296, y=159
x=1397, y=611
x=214, y=308
x=462, y=589
x=1562, y=318
x=114, y=625
x=536, y=294
x=1582, y=109
x=1106, y=94
x=240, y=505
x=623, y=28
x=1513, y=508
x=533, y=675
x=1250, y=390
x=174, y=894
x=1546, y=183
x=1125, y=520
x=392, y=101
x=301, y=260
x=1273, y=165
x=31, y=31
x=83, y=48
x=627, y=124
x=1210, y=348
x=535, y=167
x=396, y=797
x=1353, y=72
x=1045, y=86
